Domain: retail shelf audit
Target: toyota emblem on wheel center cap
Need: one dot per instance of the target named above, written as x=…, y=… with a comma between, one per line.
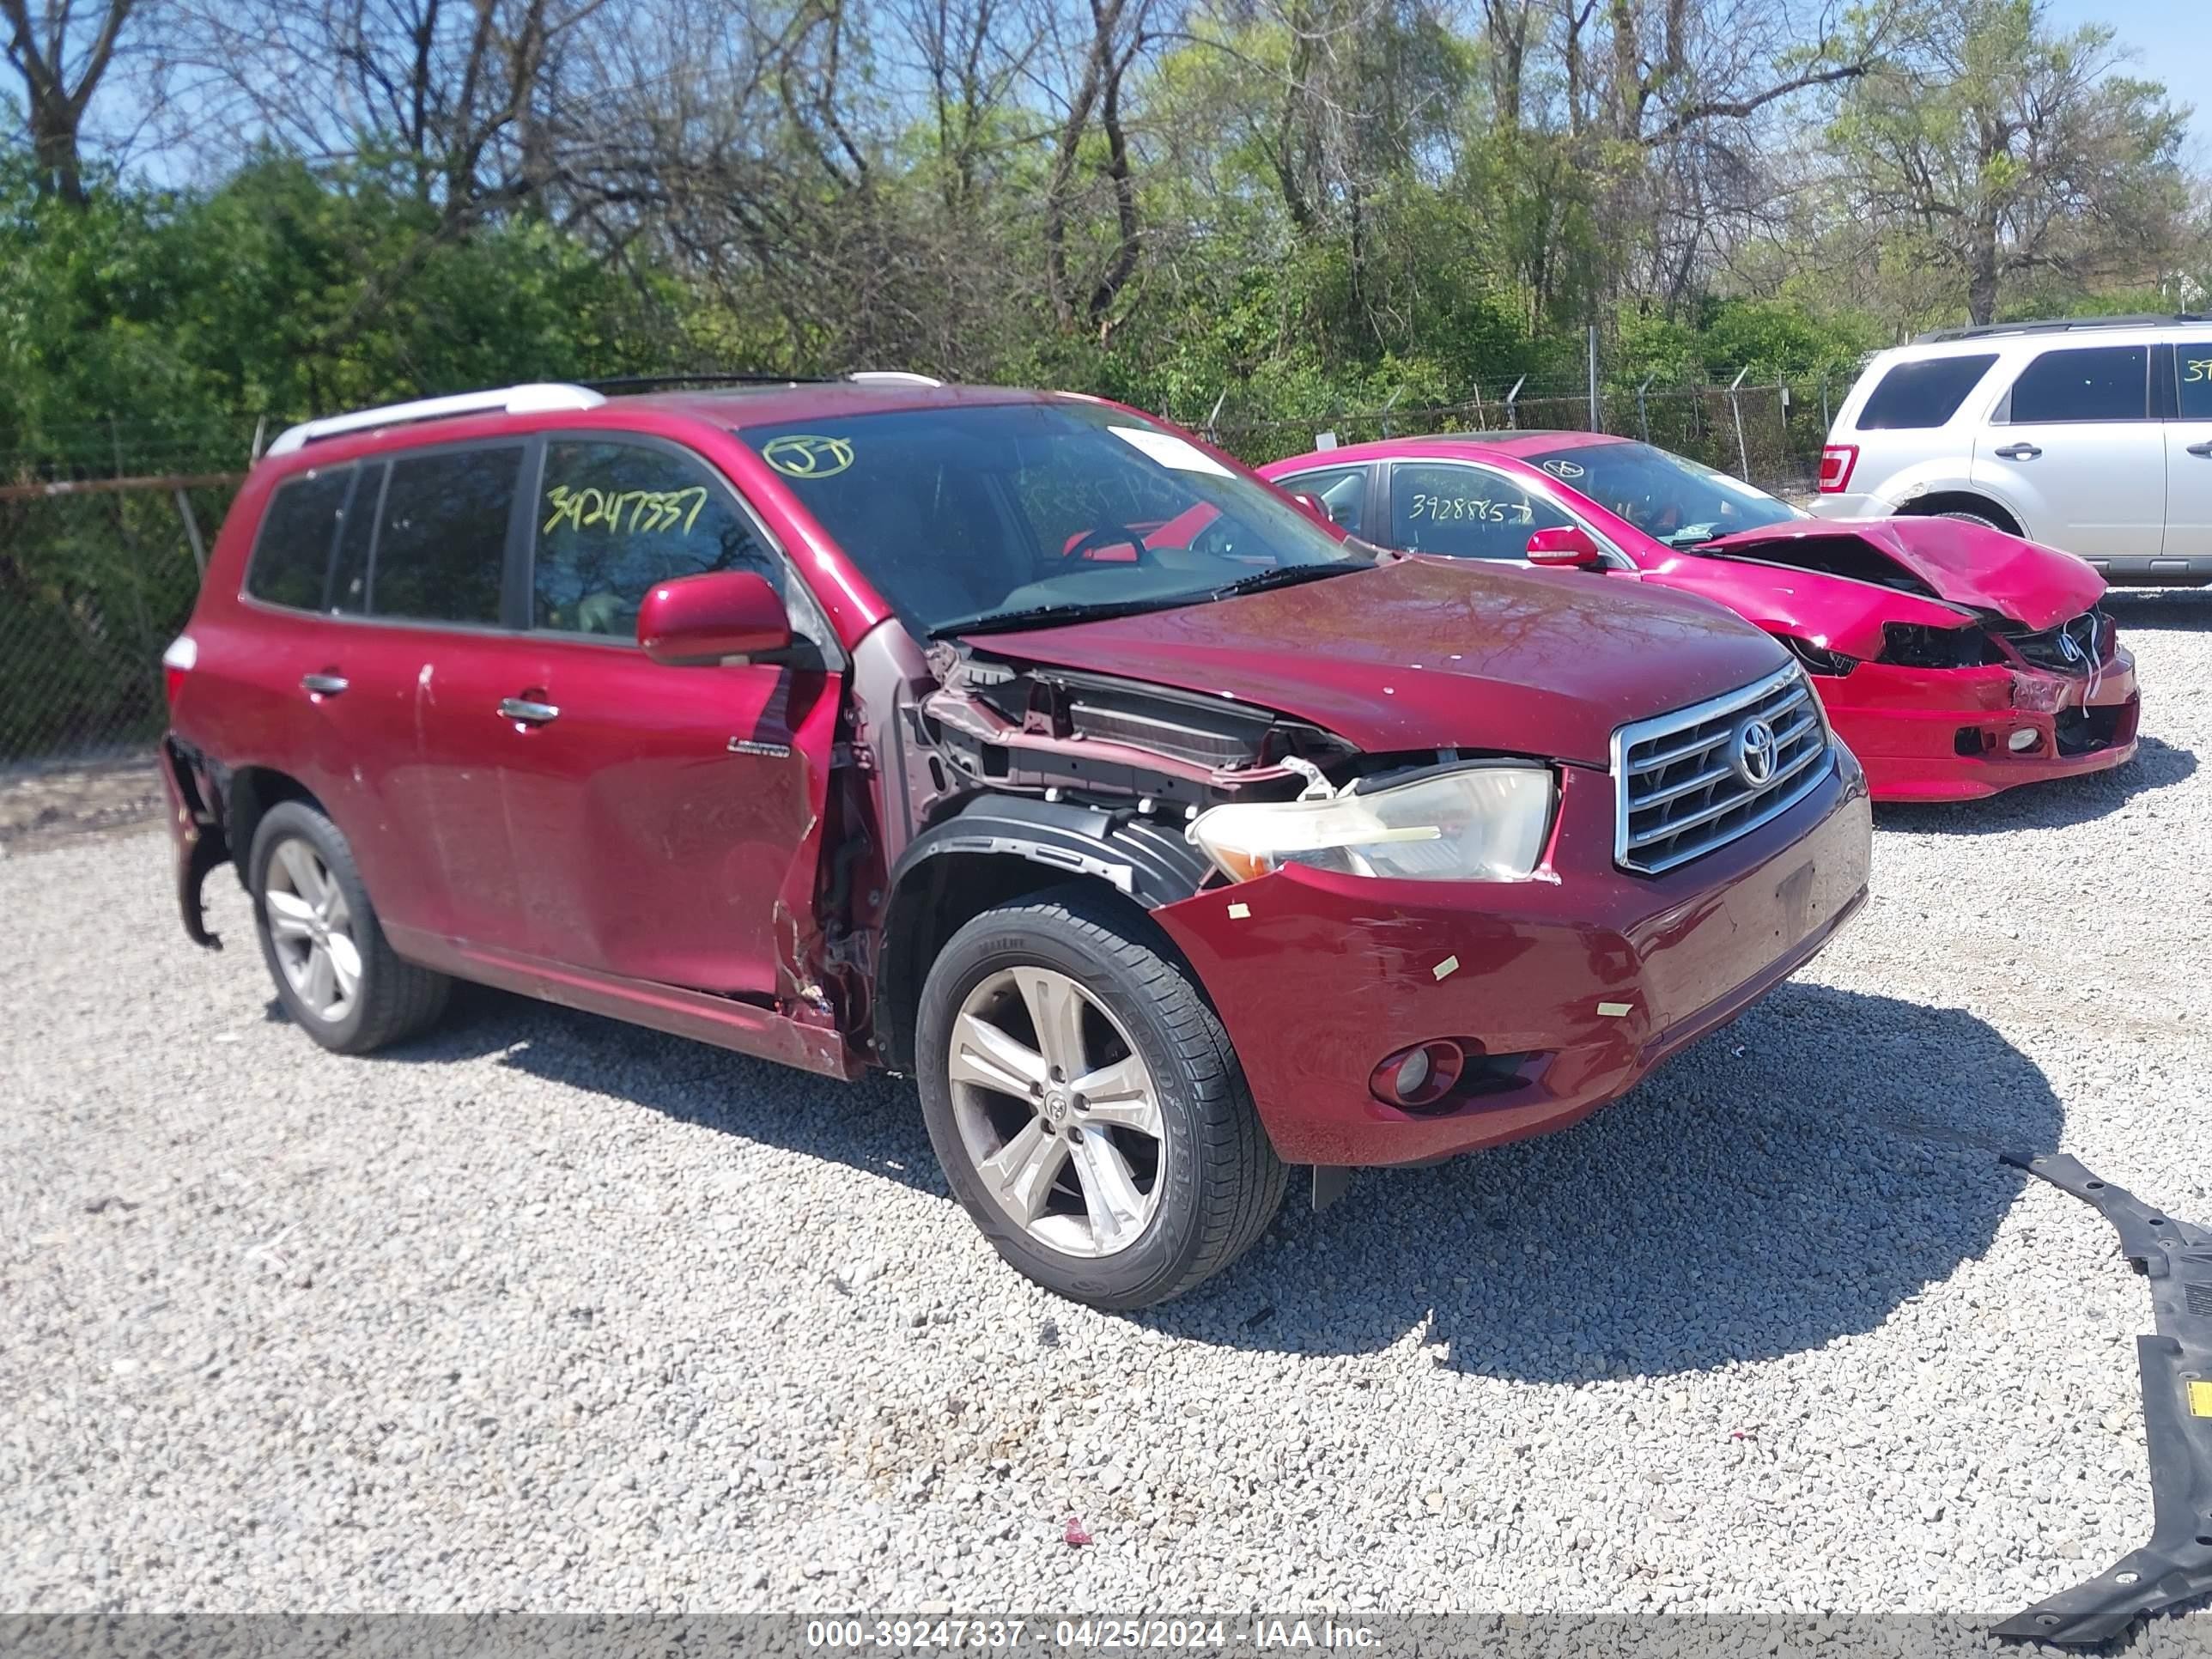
x=1754, y=752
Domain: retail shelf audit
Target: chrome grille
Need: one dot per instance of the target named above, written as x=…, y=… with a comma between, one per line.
x=1682, y=791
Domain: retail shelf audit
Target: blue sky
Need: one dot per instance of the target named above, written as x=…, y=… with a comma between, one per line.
x=2172, y=40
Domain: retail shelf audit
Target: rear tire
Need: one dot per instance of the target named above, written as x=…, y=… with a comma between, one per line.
x=336, y=974
x=1981, y=518
x=1153, y=1179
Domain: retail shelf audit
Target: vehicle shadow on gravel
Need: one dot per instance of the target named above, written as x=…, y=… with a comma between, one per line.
x=2055, y=805
x=1793, y=1178
x=873, y=1124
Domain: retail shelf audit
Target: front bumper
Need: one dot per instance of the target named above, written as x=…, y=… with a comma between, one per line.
x=1945, y=733
x=1587, y=978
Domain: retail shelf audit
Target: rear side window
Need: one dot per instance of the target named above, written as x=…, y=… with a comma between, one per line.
x=349, y=573
x=292, y=554
x=441, y=535
x=2196, y=368
x=615, y=518
x=2090, y=383
x=1465, y=512
x=1922, y=394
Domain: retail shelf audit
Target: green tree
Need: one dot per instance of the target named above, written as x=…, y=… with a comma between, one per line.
x=1998, y=149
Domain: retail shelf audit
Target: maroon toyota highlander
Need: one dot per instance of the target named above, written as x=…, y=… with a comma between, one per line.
x=1018, y=741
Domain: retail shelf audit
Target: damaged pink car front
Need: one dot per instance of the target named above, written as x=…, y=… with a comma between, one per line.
x=1956, y=660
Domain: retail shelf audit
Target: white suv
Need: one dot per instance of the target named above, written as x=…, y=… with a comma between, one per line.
x=2092, y=436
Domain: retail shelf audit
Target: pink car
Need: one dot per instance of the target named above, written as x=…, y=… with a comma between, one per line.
x=1954, y=660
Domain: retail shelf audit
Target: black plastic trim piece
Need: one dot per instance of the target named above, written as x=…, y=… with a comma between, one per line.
x=2176, y=1565
x=1150, y=862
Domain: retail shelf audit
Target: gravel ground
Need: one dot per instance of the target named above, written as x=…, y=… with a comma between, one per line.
x=549, y=1312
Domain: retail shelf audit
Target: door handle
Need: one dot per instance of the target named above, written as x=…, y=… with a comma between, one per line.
x=2203, y=449
x=529, y=713
x=2018, y=453
x=323, y=685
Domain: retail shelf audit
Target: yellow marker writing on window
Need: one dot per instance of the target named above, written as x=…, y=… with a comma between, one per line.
x=2197, y=368
x=648, y=511
x=807, y=455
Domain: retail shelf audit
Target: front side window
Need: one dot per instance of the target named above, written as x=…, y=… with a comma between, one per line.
x=1670, y=499
x=2085, y=383
x=614, y=519
x=1922, y=394
x=973, y=516
x=1465, y=512
x=292, y=554
x=1342, y=491
x=441, y=535
x=2195, y=368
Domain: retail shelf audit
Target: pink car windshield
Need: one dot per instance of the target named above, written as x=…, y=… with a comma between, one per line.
x=1668, y=498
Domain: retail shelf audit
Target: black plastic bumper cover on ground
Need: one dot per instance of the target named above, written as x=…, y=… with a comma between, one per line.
x=2176, y=1565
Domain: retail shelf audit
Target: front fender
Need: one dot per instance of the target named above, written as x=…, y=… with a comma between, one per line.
x=994, y=848
x=1142, y=858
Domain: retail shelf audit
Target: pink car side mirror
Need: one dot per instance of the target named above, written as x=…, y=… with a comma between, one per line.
x=1566, y=547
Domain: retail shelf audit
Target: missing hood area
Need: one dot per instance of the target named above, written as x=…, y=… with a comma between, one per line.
x=998, y=725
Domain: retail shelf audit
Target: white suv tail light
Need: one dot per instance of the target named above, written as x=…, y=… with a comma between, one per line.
x=178, y=660
x=1836, y=461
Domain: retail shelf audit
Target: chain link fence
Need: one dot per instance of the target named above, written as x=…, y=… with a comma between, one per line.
x=103, y=532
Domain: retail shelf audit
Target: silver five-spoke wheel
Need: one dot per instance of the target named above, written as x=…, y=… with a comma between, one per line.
x=1059, y=1112
x=312, y=928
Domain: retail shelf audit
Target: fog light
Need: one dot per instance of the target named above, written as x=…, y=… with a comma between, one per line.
x=1413, y=1074
x=1418, y=1077
x=2022, y=740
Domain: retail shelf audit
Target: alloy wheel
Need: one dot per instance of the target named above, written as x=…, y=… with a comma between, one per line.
x=1058, y=1112
x=312, y=926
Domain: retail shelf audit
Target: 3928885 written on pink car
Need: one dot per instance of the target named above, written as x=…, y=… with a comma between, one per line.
x=1955, y=660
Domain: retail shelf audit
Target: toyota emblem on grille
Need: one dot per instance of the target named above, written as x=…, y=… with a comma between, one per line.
x=1754, y=752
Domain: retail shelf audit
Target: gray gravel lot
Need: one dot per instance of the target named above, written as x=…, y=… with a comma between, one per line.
x=546, y=1312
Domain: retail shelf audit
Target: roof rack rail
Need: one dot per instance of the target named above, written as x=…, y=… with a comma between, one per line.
x=640, y=382
x=2059, y=326
x=539, y=396
x=892, y=377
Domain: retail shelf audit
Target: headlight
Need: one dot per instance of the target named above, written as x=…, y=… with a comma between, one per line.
x=1475, y=823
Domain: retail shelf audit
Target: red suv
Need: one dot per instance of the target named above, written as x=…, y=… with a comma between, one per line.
x=1164, y=833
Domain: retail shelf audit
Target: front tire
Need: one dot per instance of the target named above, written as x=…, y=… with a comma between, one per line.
x=336, y=974
x=1086, y=1105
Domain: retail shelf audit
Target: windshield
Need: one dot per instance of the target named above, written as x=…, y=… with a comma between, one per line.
x=1026, y=514
x=1669, y=499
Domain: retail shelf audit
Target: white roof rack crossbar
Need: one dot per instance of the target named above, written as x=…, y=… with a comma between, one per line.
x=538, y=398
x=892, y=377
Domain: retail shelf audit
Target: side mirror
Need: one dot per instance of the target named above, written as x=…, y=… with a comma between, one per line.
x=1565, y=547
x=1313, y=504
x=703, y=619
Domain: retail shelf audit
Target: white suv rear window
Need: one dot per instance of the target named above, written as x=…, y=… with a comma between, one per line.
x=1925, y=394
